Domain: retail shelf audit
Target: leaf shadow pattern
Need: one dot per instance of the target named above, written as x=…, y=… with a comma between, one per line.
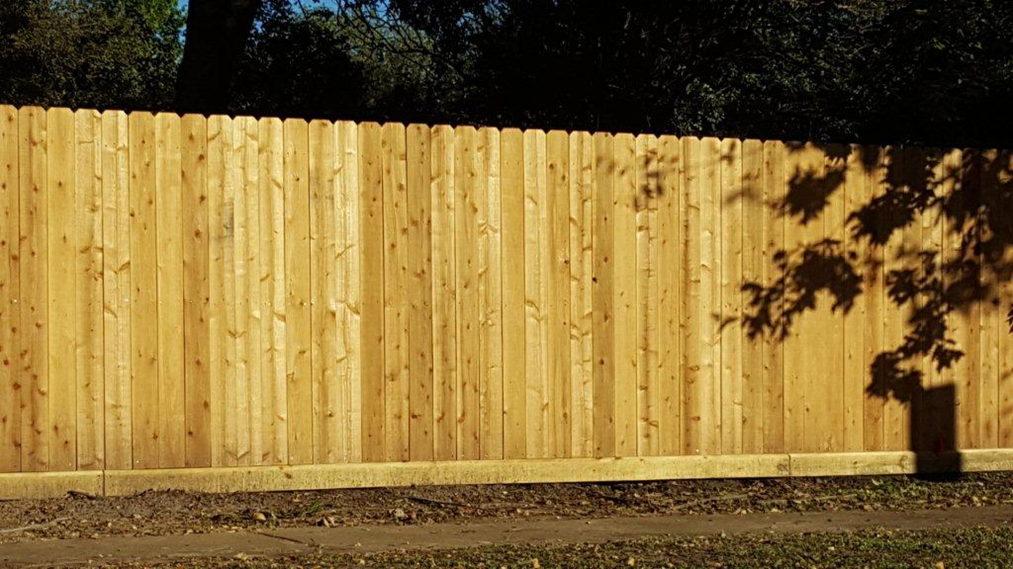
x=965, y=196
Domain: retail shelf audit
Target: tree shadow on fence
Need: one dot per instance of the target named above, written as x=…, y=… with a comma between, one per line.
x=963, y=201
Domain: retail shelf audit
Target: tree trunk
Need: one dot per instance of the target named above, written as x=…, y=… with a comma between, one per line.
x=216, y=33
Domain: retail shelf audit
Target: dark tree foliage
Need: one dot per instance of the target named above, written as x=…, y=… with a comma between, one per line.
x=932, y=71
x=216, y=33
x=89, y=53
x=297, y=64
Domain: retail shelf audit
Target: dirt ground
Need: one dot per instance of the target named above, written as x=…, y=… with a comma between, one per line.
x=168, y=513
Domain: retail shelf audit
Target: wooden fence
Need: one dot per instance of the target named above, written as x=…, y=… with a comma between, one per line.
x=211, y=292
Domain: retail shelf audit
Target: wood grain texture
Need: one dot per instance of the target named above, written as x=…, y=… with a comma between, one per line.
x=442, y=171
x=88, y=283
x=420, y=292
x=170, y=279
x=603, y=295
x=62, y=293
x=10, y=380
x=116, y=291
x=395, y=300
x=143, y=291
x=196, y=293
x=371, y=246
x=468, y=171
x=490, y=296
x=513, y=235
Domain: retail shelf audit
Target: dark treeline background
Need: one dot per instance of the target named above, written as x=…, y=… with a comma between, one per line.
x=937, y=72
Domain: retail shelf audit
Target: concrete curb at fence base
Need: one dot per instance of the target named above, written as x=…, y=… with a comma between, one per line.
x=371, y=475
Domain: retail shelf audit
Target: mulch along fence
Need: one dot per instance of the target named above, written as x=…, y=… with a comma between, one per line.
x=191, y=302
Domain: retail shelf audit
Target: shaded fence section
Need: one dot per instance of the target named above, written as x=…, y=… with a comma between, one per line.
x=191, y=291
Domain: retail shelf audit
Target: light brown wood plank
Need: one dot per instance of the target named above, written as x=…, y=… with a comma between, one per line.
x=323, y=293
x=169, y=214
x=10, y=376
x=222, y=174
x=669, y=291
x=581, y=264
x=62, y=295
x=143, y=296
x=855, y=319
x=467, y=172
x=648, y=388
x=773, y=275
x=625, y=294
x=490, y=296
x=88, y=284
x=349, y=346
x=874, y=428
x=272, y=278
x=536, y=217
x=753, y=256
x=993, y=314
x=116, y=291
x=420, y=291
x=603, y=295
x=514, y=380
x=33, y=187
x=558, y=299
x=196, y=293
x=396, y=303
x=297, y=294
x=731, y=296
x=691, y=310
x=371, y=247
x=442, y=171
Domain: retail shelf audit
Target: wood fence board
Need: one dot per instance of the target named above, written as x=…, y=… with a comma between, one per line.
x=691, y=310
x=395, y=286
x=536, y=218
x=10, y=379
x=272, y=277
x=116, y=291
x=420, y=291
x=625, y=294
x=88, y=287
x=297, y=294
x=669, y=293
x=557, y=313
x=648, y=386
x=753, y=255
x=603, y=294
x=731, y=297
x=143, y=297
x=490, y=296
x=467, y=172
x=513, y=234
x=372, y=293
x=773, y=277
x=223, y=150
x=855, y=330
x=323, y=292
x=196, y=335
x=834, y=399
x=581, y=159
x=62, y=295
x=349, y=345
x=442, y=171
x=992, y=313
x=874, y=283
x=168, y=195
